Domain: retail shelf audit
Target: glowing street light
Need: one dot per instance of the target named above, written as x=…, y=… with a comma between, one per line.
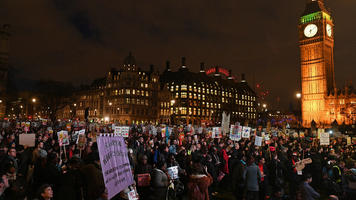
x=106, y=119
x=34, y=100
x=298, y=95
x=75, y=105
x=110, y=104
x=264, y=105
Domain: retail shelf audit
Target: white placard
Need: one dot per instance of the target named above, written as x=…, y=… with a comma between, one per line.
x=216, y=132
x=173, y=172
x=125, y=131
x=324, y=139
x=258, y=141
x=246, y=132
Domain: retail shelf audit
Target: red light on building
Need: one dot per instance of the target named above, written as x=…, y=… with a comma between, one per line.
x=220, y=70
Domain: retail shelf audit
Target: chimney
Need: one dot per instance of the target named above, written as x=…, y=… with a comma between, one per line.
x=183, y=63
x=168, y=68
x=243, y=78
x=202, y=68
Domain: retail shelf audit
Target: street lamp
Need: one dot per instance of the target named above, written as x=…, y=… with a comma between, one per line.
x=298, y=95
x=110, y=104
x=34, y=100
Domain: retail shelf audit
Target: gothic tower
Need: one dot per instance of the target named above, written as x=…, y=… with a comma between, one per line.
x=316, y=42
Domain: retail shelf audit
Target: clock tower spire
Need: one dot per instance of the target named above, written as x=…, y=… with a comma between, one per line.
x=316, y=42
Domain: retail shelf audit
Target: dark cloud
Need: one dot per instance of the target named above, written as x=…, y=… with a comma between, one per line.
x=80, y=40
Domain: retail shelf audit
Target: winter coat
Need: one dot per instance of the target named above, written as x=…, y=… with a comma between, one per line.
x=252, y=176
x=198, y=186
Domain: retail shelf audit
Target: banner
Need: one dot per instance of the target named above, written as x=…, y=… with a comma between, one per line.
x=225, y=123
x=27, y=139
x=115, y=164
x=258, y=141
x=324, y=139
x=246, y=132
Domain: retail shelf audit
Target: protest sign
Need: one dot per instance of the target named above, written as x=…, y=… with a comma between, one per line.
x=235, y=133
x=117, y=130
x=27, y=139
x=348, y=139
x=324, y=139
x=143, y=180
x=216, y=132
x=74, y=136
x=63, y=138
x=133, y=195
x=125, y=131
x=115, y=163
x=81, y=140
x=258, y=141
x=173, y=172
x=246, y=132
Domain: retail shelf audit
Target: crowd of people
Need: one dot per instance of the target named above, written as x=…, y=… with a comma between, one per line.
x=208, y=168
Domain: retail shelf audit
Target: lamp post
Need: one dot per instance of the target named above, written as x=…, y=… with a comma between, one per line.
x=298, y=95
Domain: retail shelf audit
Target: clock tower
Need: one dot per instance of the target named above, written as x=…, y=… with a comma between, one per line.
x=316, y=42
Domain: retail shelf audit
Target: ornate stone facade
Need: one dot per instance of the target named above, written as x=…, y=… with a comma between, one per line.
x=322, y=102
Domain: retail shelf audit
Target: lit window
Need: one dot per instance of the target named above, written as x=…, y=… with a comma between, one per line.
x=183, y=87
x=190, y=95
x=183, y=95
x=127, y=91
x=133, y=91
x=146, y=85
x=147, y=94
x=190, y=88
x=177, y=95
x=203, y=97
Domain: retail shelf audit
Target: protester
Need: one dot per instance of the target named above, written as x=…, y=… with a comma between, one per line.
x=208, y=167
x=309, y=192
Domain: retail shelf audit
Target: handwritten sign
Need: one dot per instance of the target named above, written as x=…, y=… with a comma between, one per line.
x=115, y=164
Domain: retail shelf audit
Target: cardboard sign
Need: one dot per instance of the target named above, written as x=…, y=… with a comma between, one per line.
x=63, y=138
x=143, y=180
x=324, y=139
x=258, y=141
x=246, y=132
x=348, y=139
x=216, y=132
x=173, y=172
x=27, y=139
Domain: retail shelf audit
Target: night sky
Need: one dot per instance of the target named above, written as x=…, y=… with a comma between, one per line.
x=81, y=40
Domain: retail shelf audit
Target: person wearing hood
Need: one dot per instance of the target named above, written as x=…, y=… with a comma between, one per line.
x=199, y=182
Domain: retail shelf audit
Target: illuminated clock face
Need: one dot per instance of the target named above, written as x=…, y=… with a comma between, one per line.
x=329, y=30
x=311, y=30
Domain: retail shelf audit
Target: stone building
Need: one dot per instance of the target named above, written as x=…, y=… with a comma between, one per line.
x=322, y=101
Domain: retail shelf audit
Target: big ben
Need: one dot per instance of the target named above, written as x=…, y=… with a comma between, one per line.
x=316, y=42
